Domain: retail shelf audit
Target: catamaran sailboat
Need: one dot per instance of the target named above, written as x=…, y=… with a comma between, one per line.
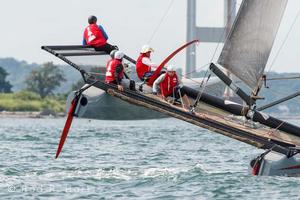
x=100, y=105
x=245, y=54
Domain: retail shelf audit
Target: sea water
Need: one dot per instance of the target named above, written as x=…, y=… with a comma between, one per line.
x=151, y=159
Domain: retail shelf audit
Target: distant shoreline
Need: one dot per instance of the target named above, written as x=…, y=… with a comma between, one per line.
x=28, y=114
x=37, y=114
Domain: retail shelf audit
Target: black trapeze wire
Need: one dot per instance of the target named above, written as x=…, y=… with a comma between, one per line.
x=161, y=21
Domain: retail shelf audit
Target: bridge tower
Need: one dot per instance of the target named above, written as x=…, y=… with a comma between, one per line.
x=205, y=34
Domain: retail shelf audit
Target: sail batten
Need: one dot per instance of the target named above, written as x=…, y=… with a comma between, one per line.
x=248, y=45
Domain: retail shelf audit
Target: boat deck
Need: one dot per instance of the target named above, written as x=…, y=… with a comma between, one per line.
x=213, y=119
x=205, y=111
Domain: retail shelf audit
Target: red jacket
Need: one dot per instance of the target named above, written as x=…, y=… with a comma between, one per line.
x=93, y=36
x=141, y=68
x=168, y=84
x=110, y=70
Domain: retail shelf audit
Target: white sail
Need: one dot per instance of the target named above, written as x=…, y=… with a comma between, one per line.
x=248, y=45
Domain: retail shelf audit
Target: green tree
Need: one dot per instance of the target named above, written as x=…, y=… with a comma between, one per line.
x=77, y=85
x=5, y=86
x=45, y=79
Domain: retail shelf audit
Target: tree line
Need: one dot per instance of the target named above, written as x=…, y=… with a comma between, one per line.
x=43, y=80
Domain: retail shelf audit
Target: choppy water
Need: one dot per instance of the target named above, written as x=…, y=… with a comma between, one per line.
x=154, y=159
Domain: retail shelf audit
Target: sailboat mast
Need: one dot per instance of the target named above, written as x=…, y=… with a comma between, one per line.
x=190, y=35
x=229, y=16
x=205, y=34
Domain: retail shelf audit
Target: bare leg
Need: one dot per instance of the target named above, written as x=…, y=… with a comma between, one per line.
x=186, y=102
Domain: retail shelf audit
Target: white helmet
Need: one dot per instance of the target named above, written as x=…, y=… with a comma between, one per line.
x=146, y=48
x=112, y=53
x=119, y=55
x=170, y=68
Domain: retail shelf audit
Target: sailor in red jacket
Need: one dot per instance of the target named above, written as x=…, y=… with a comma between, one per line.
x=170, y=85
x=96, y=36
x=144, y=65
x=115, y=70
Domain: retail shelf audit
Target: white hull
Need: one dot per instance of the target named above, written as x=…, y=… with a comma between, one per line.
x=105, y=107
x=276, y=164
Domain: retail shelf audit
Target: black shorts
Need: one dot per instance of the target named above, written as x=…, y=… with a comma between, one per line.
x=147, y=75
x=107, y=48
x=178, y=92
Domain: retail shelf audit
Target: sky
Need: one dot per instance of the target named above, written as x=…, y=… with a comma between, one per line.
x=27, y=25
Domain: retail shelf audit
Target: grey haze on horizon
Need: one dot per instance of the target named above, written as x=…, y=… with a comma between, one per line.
x=27, y=25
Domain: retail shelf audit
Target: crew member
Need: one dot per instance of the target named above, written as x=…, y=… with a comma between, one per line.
x=112, y=53
x=144, y=66
x=115, y=70
x=170, y=85
x=96, y=36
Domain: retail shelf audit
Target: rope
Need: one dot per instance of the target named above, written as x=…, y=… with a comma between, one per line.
x=283, y=78
x=222, y=35
x=201, y=92
x=284, y=41
x=195, y=70
x=280, y=48
x=277, y=92
x=160, y=22
x=211, y=60
x=270, y=132
x=179, y=91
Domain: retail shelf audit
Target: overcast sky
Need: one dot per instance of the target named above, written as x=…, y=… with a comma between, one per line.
x=29, y=24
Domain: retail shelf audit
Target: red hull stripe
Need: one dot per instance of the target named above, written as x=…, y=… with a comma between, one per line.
x=291, y=167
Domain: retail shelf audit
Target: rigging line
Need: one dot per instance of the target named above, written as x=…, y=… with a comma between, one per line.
x=284, y=41
x=200, y=83
x=201, y=92
x=271, y=132
x=202, y=86
x=283, y=94
x=160, y=22
x=183, y=75
x=191, y=79
x=279, y=78
x=195, y=70
x=211, y=87
x=213, y=56
x=283, y=78
x=277, y=92
x=258, y=85
x=275, y=79
x=222, y=35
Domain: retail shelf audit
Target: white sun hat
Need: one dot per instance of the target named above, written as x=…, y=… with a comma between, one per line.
x=170, y=68
x=146, y=48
